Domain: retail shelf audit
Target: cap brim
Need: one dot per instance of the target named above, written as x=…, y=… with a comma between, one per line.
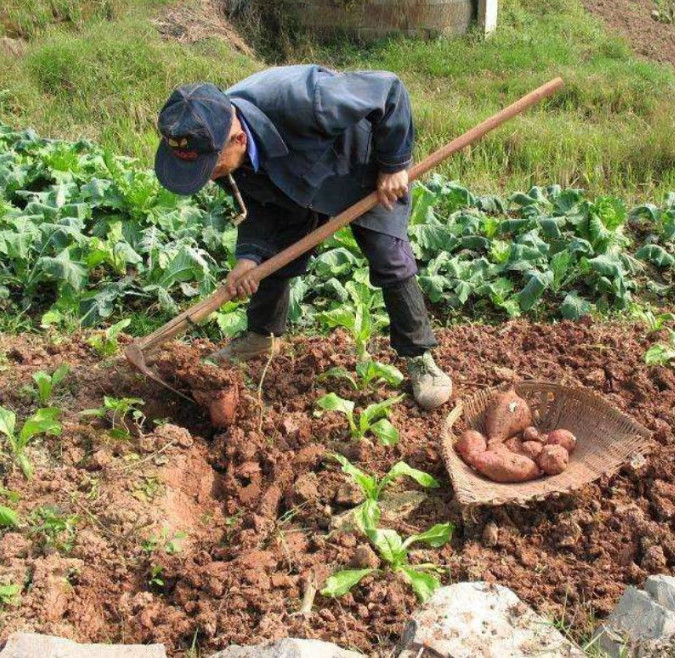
x=183, y=176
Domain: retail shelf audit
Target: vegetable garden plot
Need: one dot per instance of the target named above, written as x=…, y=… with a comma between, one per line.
x=166, y=530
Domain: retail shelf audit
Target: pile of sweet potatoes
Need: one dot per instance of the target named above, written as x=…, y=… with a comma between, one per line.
x=514, y=450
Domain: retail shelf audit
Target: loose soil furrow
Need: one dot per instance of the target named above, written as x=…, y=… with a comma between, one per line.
x=257, y=500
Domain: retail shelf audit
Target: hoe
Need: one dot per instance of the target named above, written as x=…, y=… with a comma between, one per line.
x=139, y=352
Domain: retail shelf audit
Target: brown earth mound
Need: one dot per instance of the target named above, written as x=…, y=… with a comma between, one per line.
x=633, y=18
x=181, y=530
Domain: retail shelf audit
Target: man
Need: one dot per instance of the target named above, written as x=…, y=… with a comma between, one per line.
x=304, y=143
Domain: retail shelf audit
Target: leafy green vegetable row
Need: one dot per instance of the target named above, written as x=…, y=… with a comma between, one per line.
x=86, y=235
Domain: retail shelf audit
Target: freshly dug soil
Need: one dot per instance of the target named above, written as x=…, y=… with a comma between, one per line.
x=632, y=18
x=256, y=501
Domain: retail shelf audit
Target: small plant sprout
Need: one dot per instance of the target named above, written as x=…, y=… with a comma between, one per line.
x=46, y=383
x=117, y=411
x=372, y=419
x=170, y=545
x=53, y=528
x=369, y=373
x=43, y=421
x=155, y=578
x=394, y=551
x=661, y=354
x=106, y=343
x=654, y=322
x=367, y=514
x=9, y=595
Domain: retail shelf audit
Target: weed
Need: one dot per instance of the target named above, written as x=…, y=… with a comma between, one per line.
x=661, y=354
x=9, y=595
x=43, y=421
x=170, y=545
x=46, y=383
x=117, y=411
x=372, y=419
x=53, y=528
x=105, y=343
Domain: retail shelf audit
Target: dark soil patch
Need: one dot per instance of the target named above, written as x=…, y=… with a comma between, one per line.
x=256, y=500
x=649, y=38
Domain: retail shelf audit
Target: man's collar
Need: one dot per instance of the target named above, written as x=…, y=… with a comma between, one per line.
x=267, y=136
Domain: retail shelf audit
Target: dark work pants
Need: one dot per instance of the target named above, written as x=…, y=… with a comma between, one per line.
x=392, y=268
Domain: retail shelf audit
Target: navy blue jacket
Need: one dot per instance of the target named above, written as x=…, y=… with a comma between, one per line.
x=322, y=138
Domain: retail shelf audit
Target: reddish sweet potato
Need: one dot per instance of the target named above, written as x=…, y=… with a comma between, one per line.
x=506, y=466
x=222, y=405
x=470, y=444
x=563, y=438
x=532, y=449
x=531, y=433
x=507, y=415
x=553, y=459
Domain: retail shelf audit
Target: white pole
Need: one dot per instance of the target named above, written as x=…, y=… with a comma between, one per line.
x=487, y=16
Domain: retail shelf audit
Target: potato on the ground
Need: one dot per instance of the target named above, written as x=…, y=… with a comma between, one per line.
x=563, y=438
x=507, y=415
x=531, y=433
x=506, y=466
x=468, y=445
x=553, y=459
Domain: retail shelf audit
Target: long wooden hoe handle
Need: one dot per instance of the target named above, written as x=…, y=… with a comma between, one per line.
x=203, y=309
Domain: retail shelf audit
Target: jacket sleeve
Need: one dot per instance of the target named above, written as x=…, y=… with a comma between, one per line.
x=342, y=100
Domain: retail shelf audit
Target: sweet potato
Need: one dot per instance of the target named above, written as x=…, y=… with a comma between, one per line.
x=563, y=438
x=507, y=415
x=553, y=459
x=470, y=444
x=532, y=449
x=531, y=433
x=505, y=466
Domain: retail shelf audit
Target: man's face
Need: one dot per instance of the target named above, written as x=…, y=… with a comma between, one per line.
x=233, y=153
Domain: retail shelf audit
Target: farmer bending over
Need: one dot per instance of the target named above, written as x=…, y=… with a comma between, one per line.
x=304, y=143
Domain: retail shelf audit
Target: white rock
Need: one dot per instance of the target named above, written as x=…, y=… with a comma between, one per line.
x=638, y=627
x=479, y=620
x=662, y=590
x=34, y=645
x=289, y=648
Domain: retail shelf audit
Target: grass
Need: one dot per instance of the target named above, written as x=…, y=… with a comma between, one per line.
x=103, y=72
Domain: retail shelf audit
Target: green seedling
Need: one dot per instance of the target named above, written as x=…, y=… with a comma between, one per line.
x=117, y=410
x=369, y=373
x=9, y=595
x=43, y=421
x=170, y=546
x=155, y=579
x=53, y=528
x=46, y=383
x=106, y=342
x=654, y=322
x=394, y=551
x=8, y=517
x=367, y=514
x=661, y=354
x=372, y=419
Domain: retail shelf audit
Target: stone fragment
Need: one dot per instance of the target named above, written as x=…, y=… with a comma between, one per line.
x=662, y=590
x=637, y=627
x=364, y=558
x=288, y=648
x=34, y=645
x=479, y=619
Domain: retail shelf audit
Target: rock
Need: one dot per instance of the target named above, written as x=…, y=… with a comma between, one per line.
x=364, y=558
x=654, y=559
x=348, y=494
x=490, y=534
x=639, y=627
x=288, y=648
x=662, y=590
x=656, y=15
x=479, y=619
x=33, y=645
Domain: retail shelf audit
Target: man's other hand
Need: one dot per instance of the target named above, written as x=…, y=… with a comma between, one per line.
x=238, y=283
x=391, y=187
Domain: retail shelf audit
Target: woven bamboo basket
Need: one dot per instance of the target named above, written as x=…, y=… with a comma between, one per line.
x=607, y=439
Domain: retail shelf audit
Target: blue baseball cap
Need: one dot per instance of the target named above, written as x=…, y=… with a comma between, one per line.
x=194, y=124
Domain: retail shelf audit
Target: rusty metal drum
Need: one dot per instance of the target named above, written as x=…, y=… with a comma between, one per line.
x=372, y=19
